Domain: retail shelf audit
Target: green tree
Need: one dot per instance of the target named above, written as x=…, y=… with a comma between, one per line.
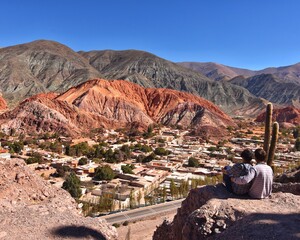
x=72, y=185
x=104, y=173
x=83, y=161
x=173, y=189
x=127, y=168
x=297, y=144
x=161, y=151
x=193, y=162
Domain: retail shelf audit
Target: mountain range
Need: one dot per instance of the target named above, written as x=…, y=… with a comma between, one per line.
x=278, y=85
x=43, y=66
x=46, y=66
x=113, y=104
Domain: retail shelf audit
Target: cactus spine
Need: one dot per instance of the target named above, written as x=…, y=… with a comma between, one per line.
x=268, y=125
x=274, y=139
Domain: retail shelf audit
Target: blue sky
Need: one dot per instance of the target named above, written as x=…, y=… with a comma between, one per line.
x=252, y=34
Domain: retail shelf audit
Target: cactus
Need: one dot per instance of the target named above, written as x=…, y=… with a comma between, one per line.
x=272, y=148
x=268, y=125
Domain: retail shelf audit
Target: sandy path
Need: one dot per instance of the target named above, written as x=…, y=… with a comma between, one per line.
x=143, y=230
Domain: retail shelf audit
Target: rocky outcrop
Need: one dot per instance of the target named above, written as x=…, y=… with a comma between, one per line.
x=112, y=104
x=31, y=208
x=283, y=115
x=210, y=212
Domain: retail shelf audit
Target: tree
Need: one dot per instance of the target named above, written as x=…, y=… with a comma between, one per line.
x=127, y=168
x=161, y=151
x=82, y=161
x=297, y=144
x=104, y=173
x=173, y=189
x=193, y=162
x=72, y=185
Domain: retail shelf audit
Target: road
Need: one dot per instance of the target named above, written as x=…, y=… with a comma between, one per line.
x=140, y=213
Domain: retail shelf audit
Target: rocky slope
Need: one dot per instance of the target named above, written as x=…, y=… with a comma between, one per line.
x=31, y=208
x=112, y=104
x=283, y=115
x=41, y=66
x=217, y=71
x=149, y=70
x=3, y=104
x=271, y=88
x=211, y=212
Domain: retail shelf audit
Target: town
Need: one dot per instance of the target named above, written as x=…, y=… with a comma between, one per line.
x=114, y=170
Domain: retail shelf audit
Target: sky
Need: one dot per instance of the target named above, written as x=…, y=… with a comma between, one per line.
x=252, y=34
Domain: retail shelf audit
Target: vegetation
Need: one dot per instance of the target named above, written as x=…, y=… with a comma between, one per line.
x=127, y=168
x=268, y=125
x=104, y=173
x=297, y=144
x=193, y=162
x=83, y=161
x=161, y=151
x=72, y=185
x=34, y=158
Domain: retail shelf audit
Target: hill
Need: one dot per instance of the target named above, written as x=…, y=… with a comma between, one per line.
x=113, y=104
x=283, y=115
x=41, y=66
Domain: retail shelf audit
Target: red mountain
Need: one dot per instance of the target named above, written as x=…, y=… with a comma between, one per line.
x=112, y=104
x=3, y=104
x=283, y=115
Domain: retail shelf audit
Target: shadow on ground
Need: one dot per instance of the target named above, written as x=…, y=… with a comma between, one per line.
x=77, y=232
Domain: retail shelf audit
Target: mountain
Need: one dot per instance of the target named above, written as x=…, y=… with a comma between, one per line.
x=112, y=104
x=283, y=115
x=217, y=71
x=149, y=70
x=41, y=66
x=45, y=66
x=3, y=104
x=272, y=88
x=290, y=74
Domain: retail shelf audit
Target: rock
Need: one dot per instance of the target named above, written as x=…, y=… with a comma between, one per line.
x=210, y=212
x=54, y=217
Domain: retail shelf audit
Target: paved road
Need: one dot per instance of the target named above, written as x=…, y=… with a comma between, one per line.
x=139, y=213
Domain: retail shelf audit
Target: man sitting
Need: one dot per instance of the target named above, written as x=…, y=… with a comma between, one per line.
x=237, y=170
x=261, y=177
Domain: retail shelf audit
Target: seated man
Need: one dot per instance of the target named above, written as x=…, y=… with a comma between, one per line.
x=237, y=170
x=261, y=177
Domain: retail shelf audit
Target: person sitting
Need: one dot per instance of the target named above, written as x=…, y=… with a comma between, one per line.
x=261, y=177
x=237, y=170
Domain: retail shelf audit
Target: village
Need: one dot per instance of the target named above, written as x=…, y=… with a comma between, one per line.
x=117, y=173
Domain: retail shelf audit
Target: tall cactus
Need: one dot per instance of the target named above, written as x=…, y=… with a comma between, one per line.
x=274, y=139
x=268, y=125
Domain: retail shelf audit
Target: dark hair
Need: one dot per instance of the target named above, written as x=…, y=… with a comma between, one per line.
x=247, y=155
x=260, y=155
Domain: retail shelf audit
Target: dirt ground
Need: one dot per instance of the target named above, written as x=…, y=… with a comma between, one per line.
x=143, y=230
